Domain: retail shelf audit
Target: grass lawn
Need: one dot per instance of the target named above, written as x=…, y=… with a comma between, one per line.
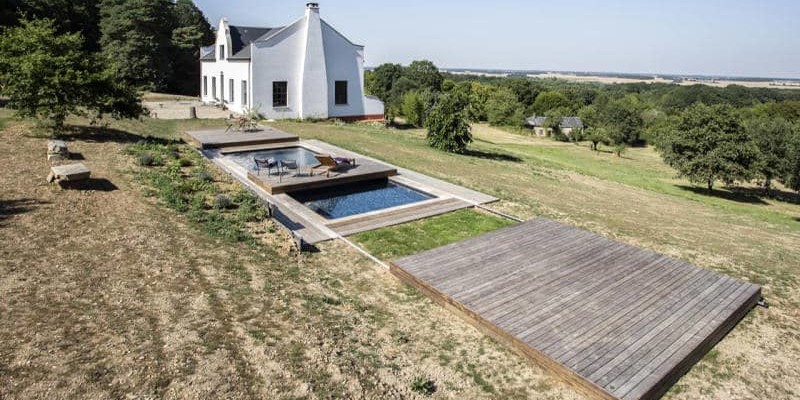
x=159, y=295
x=411, y=238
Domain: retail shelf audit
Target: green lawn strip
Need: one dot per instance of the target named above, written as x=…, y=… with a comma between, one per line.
x=413, y=237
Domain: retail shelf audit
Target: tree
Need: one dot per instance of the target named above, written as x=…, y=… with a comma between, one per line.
x=623, y=119
x=416, y=105
x=136, y=37
x=49, y=76
x=547, y=101
x=772, y=137
x=552, y=122
x=709, y=143
x=425, y=74
x=791, y=177
x=382, y=80
x=503, y=109
x=68, y=16
x=479, y=95
x=191, y=32
x=595, y=135
x=448, y=124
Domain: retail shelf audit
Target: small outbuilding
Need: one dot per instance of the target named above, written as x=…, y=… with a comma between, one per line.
x=567, y=125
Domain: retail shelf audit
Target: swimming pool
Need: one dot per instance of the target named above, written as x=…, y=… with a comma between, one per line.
x=358, y=198
x=302, y=155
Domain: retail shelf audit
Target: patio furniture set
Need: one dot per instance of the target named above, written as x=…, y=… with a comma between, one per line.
x=327, y=164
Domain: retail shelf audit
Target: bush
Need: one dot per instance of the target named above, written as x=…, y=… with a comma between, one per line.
x=423, y=386
x=205, y=176
x=222, y=202
x=146, y=159
x=448, y=124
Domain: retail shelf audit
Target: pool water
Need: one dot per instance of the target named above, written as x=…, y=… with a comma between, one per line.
x=358, y=198
x=303, y=156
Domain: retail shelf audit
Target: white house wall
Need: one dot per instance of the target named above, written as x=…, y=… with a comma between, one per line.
x=238, y=70
x=277, y=59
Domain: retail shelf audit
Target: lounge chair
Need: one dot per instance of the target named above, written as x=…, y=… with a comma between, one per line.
x=328, y=163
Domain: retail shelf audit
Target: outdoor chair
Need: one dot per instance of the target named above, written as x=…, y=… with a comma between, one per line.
x=285, y=165
x=333, y=164
x=268, y=164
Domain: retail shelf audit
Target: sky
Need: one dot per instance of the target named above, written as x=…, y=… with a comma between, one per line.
x=751, y=38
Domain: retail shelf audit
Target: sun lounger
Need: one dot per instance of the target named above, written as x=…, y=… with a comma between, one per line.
x=333, y=164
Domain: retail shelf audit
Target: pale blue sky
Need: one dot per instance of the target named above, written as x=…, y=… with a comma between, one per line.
x=712, y=37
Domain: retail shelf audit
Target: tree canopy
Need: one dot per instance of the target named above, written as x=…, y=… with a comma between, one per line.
x=448, y=124
x=50, y=76
x=707, y=144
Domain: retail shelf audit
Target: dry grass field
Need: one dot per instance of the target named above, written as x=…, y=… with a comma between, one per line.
x=107, y=293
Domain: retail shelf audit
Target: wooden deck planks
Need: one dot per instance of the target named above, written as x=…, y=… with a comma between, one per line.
x=217, y=138
x=612, y=319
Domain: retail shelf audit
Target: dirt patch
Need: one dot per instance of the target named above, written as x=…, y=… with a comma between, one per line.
x=110, y=294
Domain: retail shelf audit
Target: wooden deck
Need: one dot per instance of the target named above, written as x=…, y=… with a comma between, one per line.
x=614, y=320
x=363, y=170
x=218, y=138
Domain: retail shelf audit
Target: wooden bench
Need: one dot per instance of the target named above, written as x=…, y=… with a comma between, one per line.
x=69, y=173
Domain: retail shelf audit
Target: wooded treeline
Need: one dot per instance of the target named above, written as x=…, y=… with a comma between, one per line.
x=148, y=44
x=708, y=134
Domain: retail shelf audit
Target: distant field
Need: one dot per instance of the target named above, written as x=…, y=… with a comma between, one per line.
x=621, y=79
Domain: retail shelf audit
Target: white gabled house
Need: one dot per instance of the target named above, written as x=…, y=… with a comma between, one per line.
x=304, y=70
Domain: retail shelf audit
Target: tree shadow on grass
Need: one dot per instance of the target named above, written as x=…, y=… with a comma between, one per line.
x=491, y=155
x=732, y=195
x=98, y=134
x=12, y=207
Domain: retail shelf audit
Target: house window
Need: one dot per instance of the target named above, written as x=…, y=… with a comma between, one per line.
x=340, y=96
x=280, y=94
x=222, y=52
x=222, y=87
x=205, y=85
x=230, y=90
x=244, y=93
x=214, y=87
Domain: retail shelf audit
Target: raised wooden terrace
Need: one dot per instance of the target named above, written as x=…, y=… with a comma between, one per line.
x=219, y=138
x=291, y=181
x=614, y=320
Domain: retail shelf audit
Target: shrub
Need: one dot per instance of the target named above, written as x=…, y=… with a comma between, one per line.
x=184, y=162
x=205, y=176
x=448, y=124
x=423, y=386
x=146, y=159
x=222, y=202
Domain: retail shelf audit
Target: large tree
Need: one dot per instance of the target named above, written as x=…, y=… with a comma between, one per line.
x=425, y=74
x=448, y=124
x=503, y=109
x=707, y=144
x=136, y=37
x=381, y=80
x=50, y=76
x=191, y=32
x=791, y=176
x=547, y=101
x=772, y=137
x=68, y=16
x=623, y=120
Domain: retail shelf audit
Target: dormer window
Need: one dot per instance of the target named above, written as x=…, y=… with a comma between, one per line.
x=222, y=52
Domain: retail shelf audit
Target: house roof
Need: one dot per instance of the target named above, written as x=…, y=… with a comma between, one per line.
x=566, y=122
x=241, y=37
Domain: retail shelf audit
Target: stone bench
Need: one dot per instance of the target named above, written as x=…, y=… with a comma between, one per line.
x=57, y=149
x=69, y=173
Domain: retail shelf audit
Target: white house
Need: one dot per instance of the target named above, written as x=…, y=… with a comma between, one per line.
x=304, y=70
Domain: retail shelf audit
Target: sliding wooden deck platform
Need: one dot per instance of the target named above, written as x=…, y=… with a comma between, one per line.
x=384, y=218
x=219, y=138
x=614, y=320
x=364, y=170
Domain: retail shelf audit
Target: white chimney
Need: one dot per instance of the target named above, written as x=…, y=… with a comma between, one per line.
x=312, y=8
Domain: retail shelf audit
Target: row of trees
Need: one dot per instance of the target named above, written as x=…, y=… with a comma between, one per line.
x=707, y=144
x=149, y=44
